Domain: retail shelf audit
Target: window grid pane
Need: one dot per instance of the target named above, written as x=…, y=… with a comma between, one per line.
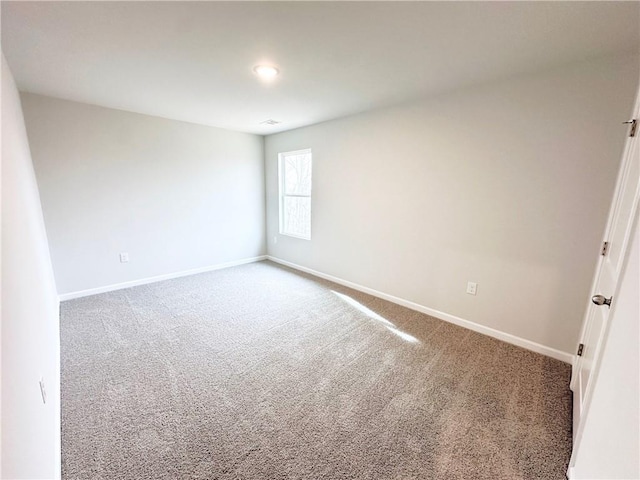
x=297, y=216
x=297, y=171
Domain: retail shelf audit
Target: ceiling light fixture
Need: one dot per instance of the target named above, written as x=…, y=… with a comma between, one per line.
x=266, y=71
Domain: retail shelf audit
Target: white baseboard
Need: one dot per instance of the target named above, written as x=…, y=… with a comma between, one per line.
x=476, y=327
x=158, y=278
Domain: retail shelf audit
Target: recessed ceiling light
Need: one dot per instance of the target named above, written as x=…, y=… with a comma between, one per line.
x=266, y=71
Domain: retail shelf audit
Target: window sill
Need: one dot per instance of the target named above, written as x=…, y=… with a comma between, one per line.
x=295, y=236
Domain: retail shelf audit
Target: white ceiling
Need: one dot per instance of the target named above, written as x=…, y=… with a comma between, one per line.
x=193, y=61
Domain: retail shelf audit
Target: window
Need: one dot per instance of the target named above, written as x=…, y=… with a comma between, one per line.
x=294, y=172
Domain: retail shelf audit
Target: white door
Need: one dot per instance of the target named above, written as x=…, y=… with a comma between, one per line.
x=605, y=284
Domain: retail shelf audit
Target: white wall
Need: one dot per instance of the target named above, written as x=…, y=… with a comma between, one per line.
x=610, y=443
x=176, y=196
x=30, y=333
x=507, y=185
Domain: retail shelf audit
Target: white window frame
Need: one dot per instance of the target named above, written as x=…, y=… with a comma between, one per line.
x=281, y=194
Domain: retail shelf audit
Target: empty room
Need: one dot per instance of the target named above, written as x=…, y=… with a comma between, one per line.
x=320, y=240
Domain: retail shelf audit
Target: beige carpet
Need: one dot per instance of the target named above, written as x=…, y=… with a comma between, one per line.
x=259, y=372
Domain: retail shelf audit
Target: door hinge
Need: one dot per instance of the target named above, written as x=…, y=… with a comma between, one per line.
x=634, y=124
x=580, y=349
x=605, y=248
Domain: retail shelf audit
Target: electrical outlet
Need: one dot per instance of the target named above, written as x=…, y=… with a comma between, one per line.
x=124, y=257
x=472, y=287
x=43, y=392
x=275, y=239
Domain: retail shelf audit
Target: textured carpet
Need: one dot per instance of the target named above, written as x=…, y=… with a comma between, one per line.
x=260, y=372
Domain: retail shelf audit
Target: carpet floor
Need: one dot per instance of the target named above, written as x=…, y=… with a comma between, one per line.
x=261, y=372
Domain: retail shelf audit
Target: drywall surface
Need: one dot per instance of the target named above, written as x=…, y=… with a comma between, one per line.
x=611, y=439
x=507, y=185
x=30, y=327
x=175, y=196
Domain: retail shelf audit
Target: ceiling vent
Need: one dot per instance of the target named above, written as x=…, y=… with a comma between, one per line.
x=271, y=121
